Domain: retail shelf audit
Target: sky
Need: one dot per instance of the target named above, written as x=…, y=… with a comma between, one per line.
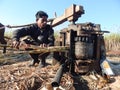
x=103, y=12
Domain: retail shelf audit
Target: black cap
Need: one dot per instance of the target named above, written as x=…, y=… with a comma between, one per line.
x=39, y=14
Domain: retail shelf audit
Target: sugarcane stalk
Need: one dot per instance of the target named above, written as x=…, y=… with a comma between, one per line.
x=38, y=49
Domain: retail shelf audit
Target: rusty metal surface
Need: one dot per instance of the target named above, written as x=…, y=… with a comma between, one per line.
x=86, y=44
x=83, y=50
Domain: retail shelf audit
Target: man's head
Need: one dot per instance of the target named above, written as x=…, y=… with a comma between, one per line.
x=41, y=19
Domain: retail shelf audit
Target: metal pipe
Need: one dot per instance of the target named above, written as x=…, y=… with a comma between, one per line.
x=58, y=76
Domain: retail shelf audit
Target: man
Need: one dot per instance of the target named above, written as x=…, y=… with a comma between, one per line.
x=41, y=33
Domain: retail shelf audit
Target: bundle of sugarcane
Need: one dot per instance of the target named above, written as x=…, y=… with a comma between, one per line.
x=37, y=49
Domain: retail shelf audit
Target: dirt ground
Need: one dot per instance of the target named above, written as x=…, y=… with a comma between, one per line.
x=16, y=75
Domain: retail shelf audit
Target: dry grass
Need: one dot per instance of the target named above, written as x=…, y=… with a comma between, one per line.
x=112, y=41
x=20, y=77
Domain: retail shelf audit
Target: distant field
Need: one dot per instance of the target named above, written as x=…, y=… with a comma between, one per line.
x=112, y=41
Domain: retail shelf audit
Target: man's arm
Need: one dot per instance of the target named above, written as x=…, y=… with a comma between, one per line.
x=17, y=34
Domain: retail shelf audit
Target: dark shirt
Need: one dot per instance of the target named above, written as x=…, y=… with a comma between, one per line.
x=44, y=35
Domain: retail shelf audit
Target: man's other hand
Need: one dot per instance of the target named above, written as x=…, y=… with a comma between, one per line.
x=43, y=45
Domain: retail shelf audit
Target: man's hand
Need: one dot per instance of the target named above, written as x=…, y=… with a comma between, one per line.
x=43, y=45
x=18, y=44
x=15, y=44
x=23, y=45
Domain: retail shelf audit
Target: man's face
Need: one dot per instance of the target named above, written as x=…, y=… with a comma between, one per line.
x=41, y=22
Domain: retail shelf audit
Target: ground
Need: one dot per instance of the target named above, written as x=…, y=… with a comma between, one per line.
x=16, y=75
